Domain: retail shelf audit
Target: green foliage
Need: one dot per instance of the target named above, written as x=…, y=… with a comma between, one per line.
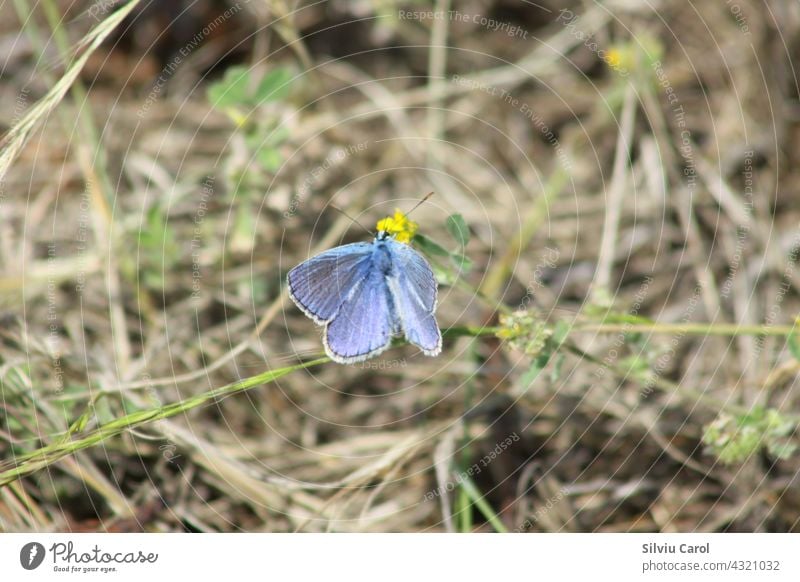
x=642, y=361
x=243, y=236
x=462, y=262
x=249, y=100
x=459, y=231
x=274, y=86
x=239, y=88
x=637, y=365
x=231, y=90
x=472, y=495
x=735, y=438
x=430, y=247
x=158, y=249
x=525, y=332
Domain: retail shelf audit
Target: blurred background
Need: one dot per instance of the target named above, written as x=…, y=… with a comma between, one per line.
x=614, y=231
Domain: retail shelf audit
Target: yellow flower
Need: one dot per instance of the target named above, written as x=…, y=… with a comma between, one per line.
x=614, y=58
x=398, y=226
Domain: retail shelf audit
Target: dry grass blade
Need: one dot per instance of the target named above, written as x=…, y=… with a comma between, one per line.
x=18, y=135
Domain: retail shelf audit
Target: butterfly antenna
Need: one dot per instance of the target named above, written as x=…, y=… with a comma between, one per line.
x=418, y=204
x=353, y=220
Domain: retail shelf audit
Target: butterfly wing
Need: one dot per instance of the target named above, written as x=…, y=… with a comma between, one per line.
x=320, y=285
x=363, y=326
x=414, y=292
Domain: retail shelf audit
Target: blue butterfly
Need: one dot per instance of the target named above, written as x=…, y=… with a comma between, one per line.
x=365, y=294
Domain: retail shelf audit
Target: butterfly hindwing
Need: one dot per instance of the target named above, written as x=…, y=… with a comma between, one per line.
x=364, y=325
x=414, y=293
x=320, y=285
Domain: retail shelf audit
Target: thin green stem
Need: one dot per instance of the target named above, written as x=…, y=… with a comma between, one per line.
x=68, y=443
x=31, y=462
x=725, y=329
x=483, y=506
x=693, y=329
x=464, y=511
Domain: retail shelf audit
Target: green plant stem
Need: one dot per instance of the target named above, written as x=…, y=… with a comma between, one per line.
x=464, y=511
x=69, y=443
x=40, y=458
x=693, y=329
x=703, y=329
x=469, y=330
x=480, y=502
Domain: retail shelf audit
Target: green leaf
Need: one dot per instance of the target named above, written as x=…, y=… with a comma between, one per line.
x=231, y=90
x=458, y=229
x=277, y=136
x=560, y=332
x=531, y=374
x=781, y=449
x=259, y=290
x=430, y=247
x=558, y=363
x=243, y=239
x=443, y=276
x=543, y=359
x=157, y=238
x=152, y=279
x=274, y=86
x=270, y=159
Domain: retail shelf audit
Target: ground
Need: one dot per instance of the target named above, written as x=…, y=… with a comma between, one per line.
x=619, y=303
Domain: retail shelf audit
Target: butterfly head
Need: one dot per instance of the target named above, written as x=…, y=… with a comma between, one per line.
x=398, y=226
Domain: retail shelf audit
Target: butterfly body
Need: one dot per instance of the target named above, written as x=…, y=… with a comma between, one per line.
x=367, y=293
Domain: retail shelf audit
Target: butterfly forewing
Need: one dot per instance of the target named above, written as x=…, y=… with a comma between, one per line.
x=320, y=285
